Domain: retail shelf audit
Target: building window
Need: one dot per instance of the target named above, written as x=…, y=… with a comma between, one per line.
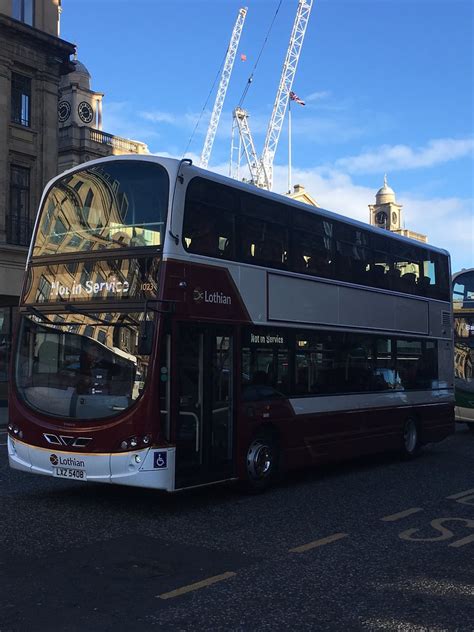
x=18, y=221
x=23, y=10
x=21, y=100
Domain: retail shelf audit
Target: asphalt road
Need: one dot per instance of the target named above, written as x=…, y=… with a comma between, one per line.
x=377, y=544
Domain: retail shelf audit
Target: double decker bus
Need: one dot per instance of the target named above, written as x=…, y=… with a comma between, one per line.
x=463, y=311
x=179, y=328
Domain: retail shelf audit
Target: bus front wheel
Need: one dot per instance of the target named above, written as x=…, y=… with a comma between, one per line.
x=261, y=463
x=410, y=439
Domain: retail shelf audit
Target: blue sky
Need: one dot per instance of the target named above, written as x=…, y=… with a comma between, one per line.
x=388, y=86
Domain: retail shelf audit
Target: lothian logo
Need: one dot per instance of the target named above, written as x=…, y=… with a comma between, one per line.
x=198, y=295
x=54, y=459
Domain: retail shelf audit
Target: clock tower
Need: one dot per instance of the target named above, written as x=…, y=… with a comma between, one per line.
x=81, y=137
x=78, y=104
x=387, y=214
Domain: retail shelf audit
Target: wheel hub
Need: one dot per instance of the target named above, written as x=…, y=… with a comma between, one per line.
x=259, y=460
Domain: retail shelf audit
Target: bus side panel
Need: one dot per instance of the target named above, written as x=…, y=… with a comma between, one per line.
x=329, y=437
x=437, y=421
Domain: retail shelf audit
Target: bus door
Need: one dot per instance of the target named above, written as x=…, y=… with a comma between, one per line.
x=204, y=414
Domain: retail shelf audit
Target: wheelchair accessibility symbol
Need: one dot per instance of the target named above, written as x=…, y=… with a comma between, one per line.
x=160, y=460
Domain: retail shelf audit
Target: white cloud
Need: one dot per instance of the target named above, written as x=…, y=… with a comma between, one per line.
x=317, y=96
x=120, y=120
x=399, y=157
x=159, y=117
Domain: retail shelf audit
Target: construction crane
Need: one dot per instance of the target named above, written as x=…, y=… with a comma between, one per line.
x=261, y=169
x=223, y=84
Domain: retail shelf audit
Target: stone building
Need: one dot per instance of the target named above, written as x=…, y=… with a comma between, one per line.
x=387, y=214
x=300, y=194
x=32, y=60
x=50, y=120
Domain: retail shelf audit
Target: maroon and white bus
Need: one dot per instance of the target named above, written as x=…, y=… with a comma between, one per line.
x=179, y=328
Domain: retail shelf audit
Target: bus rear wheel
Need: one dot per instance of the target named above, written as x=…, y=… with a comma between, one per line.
x=410, y=439
x=261, y=463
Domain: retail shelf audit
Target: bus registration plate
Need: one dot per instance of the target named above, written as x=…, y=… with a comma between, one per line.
x=67, y=472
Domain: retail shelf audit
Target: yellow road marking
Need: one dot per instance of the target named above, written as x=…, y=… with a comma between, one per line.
x=465, y=493
x=196, y=586
x=401, y=514
x=316, y=543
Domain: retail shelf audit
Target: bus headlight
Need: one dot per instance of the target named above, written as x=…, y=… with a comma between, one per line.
x=133, y=442
x=15, y=430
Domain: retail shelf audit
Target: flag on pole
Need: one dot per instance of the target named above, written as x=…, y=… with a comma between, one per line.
x=295, y=97
x=243, y=57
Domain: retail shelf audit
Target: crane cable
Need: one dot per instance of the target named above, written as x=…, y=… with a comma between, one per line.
x=250, y=79
x=206, y=102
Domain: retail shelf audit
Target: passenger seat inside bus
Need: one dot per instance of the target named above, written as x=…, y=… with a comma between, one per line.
x=408, y=282
x=379, y=275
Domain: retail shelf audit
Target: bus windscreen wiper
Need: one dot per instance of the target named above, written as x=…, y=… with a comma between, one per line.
x=72, y=308
x=39, y=314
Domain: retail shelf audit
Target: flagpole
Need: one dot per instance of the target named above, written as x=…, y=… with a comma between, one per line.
x=289, y=147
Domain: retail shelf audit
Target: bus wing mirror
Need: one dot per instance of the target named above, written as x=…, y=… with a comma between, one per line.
x=147, y=328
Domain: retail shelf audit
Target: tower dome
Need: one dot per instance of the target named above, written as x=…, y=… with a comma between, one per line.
x=80, y=75
x=385, y=195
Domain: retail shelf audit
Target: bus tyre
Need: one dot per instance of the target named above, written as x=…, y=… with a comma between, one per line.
x=261, y=464
x=410, y=439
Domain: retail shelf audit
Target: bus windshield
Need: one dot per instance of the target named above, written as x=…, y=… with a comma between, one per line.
x=81, y=365
x=463, y=290
x=121, y=204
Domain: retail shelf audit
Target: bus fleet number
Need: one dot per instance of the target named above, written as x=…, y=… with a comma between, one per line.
x=148, y=287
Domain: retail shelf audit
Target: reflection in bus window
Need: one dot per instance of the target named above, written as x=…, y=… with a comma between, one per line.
x=77, y=368
x=114, y=205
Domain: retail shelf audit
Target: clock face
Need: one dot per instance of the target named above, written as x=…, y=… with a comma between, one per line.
x=85, y=111
x=64, y=111
x=381, y=217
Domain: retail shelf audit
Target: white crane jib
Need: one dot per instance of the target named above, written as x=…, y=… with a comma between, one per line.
x=223, y=84
x=261, y=170
x=283, y=93
x=247, y=145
